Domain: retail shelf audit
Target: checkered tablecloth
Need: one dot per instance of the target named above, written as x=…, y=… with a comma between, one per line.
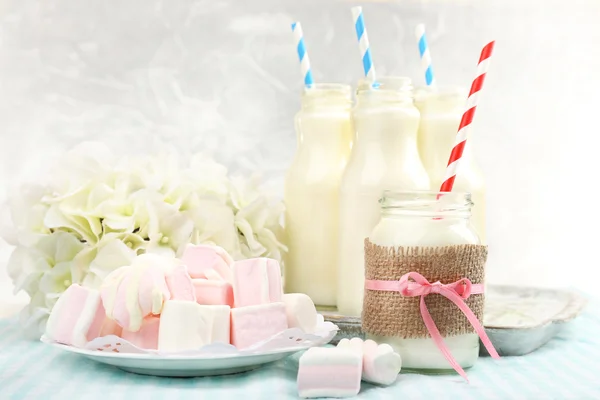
x=568, y=367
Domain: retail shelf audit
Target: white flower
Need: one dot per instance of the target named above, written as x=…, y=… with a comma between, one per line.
x=208, y=177
x=167, y=229
x=98, y=214
x=86, y=228
x=244, y=191
x=86, y=163
x=34, y=316
x=46, y=270
x=123, y=211
x=26, y=215
x=115, y=250
x=257, y=219
x=157, y=173
x=258, y=224
x=214, y=224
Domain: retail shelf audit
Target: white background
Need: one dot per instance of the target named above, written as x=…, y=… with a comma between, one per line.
x=222, y=76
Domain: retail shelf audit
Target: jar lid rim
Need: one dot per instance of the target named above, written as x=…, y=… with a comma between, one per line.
x=417, y=198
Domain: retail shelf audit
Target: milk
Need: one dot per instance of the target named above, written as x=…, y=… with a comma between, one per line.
x=418, y=228
x=384, y=156
x=441, y=111
x=324, y=130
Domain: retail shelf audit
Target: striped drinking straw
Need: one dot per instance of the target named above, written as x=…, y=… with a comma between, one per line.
x=302, y=54
x=425, y=54
x=467, y=118
x=363, y=43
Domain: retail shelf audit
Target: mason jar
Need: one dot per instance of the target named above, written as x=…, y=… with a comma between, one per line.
x=429, y=233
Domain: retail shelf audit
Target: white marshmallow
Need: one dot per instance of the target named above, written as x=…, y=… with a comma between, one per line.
x=354, y=344
x=329, y=372
x=186, y=325
x=301, y=312
x=381, y=364
x=219, y=317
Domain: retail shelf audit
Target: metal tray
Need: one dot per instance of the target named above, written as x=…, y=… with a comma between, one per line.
x=518, y=320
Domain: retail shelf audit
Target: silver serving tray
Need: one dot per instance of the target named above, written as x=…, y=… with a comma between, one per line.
x=518, y=320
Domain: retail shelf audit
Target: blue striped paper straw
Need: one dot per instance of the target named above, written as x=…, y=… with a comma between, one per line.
x=302, y=54
x=425, y=54
x=363, y=43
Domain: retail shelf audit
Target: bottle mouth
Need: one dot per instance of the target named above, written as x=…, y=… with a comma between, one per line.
x=427, y=203
x=399, y=84
x=443, y=93
x=333, y=89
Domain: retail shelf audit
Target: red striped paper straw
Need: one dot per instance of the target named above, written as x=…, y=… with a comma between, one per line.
x=467, y=118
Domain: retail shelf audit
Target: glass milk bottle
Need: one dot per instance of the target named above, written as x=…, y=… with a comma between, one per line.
x=384, y=155
x=420, y=219
x=441, y=112
x=324, y=129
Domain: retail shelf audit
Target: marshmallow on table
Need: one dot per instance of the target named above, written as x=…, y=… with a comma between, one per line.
x=134, y=292
x=329, y=372
x=180, y=284
x=381, y=364
x=355, y=344
x=252, y=324
x=301, y=312
x=78, y=317
x=256, y=281
x=186, y=325
x=203, y=258
x=213, y=292
x=147, y=336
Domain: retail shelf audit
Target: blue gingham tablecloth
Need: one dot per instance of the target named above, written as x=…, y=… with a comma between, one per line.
x=568, y=367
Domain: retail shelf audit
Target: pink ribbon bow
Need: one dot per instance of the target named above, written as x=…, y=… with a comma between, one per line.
x=414, y=284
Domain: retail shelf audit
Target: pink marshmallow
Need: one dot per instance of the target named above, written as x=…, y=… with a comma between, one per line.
x=78, y=317
x=329, y=372
x=180, y=284
x=102, y=325
x=147, y=336
x=213, y=293
x=256, y=281
x=203, y=257
x=253, y=324
x=213, y=275
x=134, y=292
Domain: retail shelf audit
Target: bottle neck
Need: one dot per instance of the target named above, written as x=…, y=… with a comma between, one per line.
x=384, y=98
x=388, y=122
x=441, y=113
x=325, y=105
x=324, y=119
x=385, y=92
x=326, y=98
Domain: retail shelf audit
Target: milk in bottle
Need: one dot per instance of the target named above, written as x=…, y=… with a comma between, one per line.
x=324, y=130
x=441, y=111
x=384, y=156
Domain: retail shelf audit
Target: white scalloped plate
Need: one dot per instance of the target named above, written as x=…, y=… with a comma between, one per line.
x=217, y=360
x=181, y=366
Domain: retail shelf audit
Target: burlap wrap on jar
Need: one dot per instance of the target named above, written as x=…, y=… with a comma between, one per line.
x=387, y=313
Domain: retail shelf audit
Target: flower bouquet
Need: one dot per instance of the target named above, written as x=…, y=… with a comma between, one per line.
x=97, y=212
